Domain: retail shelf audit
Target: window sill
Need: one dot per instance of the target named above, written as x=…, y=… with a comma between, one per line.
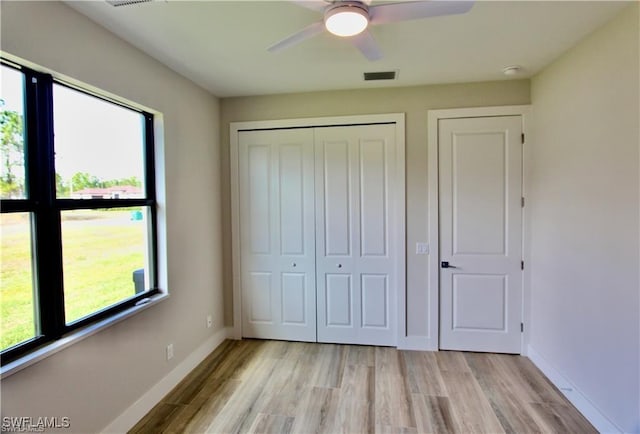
x=76, y=336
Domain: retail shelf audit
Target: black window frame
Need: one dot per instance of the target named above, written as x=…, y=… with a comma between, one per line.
x=46, y=209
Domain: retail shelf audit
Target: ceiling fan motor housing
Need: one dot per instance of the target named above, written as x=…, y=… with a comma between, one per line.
x=349, y=19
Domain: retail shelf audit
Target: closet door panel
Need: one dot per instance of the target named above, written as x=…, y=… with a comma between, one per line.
x=375, y=300
x=337, y=203
x=258, y=204
x=355, y=168
x=339, y=300
x=277, y=234
x=294, y=298
x=259, y=291
x=291, y=194
x=373, y=196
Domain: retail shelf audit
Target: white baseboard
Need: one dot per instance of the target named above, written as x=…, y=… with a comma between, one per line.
x=141, y=407
x=573, y=394
x=417, y=343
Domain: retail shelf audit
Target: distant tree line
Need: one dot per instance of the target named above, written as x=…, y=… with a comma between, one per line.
x=84, y=180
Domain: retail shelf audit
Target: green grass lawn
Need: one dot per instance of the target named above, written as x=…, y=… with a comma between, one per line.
x=101, y=249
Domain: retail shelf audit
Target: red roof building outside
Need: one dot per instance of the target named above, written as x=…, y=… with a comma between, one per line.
x=115, y=192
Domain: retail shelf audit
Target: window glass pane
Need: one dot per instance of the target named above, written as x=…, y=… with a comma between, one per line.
x=18, y=318
x=98, y=146
x=105, y=258
x=12, y=162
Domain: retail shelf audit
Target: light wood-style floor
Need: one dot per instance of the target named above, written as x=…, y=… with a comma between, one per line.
x=281, y=387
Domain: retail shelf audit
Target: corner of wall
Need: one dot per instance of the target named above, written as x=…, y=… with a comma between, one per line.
x=573, y=394
x=154, y=395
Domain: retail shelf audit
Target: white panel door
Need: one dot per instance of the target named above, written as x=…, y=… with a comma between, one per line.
x=355, y=262
x=277, y=234
x=480, y=171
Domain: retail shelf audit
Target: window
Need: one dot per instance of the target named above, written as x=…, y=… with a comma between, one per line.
x=78, y=208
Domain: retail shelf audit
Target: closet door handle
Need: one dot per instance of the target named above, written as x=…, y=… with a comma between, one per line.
x=293, y=265
x=339, y=265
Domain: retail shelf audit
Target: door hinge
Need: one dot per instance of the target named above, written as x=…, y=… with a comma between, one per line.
x=522, y=138
x=522, y=202
x=521, y=327
x=522, y=265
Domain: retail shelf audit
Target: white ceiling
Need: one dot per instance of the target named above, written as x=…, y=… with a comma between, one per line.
x=221, y=45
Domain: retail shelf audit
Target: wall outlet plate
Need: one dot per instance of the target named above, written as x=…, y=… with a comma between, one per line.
x=169, y=351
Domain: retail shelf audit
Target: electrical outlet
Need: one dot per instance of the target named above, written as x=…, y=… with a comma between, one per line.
x=169, y=351
x=209, y=321
x=422, y=249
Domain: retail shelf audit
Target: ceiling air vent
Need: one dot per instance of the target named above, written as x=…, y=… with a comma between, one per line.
x=118, y=3
x=383, y=75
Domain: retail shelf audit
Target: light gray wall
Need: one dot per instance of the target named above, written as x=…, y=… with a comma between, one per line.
x=584, y=210
x=415, y=102
x=94, y=381
x=584, y=198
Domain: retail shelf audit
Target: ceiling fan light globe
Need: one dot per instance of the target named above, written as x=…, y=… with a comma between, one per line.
x=346, y=21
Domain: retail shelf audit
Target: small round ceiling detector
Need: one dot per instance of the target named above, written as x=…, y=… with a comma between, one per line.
x=512, y=70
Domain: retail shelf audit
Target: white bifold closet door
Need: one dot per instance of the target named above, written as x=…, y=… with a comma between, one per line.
x=316, y=222
x=355, y=171
x=277, y=234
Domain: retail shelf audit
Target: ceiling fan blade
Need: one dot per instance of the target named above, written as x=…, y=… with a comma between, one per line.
x=367, y=45
x=394, y=12
x=300, y=36
x=314, y=5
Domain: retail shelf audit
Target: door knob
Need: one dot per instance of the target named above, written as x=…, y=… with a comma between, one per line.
x=339, y=265
x=293, y=265
x=445, y=264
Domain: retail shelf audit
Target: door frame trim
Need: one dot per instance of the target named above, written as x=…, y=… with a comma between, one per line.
x=433, y=207
x=400, y=210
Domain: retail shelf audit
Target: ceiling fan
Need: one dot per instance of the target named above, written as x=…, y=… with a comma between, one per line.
x=350, y=19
